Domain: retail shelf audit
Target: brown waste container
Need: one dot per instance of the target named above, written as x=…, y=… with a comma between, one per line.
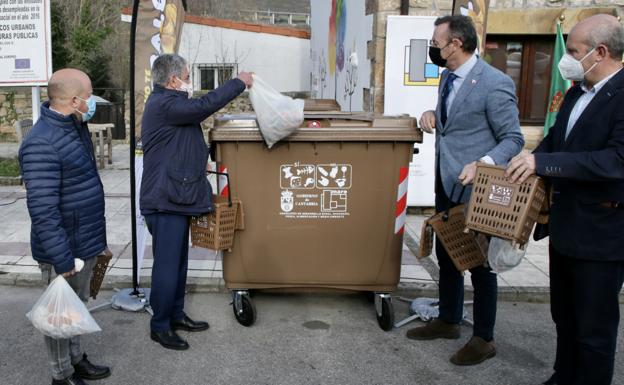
x=322, y=207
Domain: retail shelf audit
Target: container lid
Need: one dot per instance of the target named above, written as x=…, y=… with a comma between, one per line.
x=321, y=105
x=323, y=126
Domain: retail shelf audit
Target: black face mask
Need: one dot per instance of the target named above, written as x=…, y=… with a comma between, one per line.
x=436, y=56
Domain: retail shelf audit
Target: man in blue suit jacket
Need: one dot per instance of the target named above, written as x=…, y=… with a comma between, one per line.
x=174, y=185
x=583, y=158
x=476, y=119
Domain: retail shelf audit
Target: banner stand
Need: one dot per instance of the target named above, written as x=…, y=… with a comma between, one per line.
x=172, y=16
x=132, y=299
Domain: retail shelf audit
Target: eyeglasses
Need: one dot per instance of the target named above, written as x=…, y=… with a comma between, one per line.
x=433, y=43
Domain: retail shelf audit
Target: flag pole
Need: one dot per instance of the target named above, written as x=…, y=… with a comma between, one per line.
x=135, y=10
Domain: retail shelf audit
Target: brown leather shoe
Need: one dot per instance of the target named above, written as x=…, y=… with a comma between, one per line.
x=474, y=352
x=434, y=330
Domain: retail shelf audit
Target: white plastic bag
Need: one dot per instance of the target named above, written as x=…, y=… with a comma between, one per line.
x=428, y=308
x=278, y=115
x=503, y=255
x=59, y=313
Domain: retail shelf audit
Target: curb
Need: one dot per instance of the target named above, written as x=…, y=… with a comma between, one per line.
x=10, y=180
x=535, y=294
x=217, y=285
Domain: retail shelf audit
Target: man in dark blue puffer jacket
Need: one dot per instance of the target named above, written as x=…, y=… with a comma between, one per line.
x=66, y=205
x=174, y=185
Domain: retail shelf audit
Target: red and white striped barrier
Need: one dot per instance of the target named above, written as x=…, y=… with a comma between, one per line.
x=223, y=182
x=401, y=207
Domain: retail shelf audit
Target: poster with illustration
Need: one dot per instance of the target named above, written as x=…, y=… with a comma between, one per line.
x=338, y=51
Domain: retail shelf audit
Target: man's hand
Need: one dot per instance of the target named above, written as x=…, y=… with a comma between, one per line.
x=69, y=273
x=427, y=121
x=468, y=173
x=521, y=167
x=247, y=78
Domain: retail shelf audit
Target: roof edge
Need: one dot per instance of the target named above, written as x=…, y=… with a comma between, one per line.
x=240, y=26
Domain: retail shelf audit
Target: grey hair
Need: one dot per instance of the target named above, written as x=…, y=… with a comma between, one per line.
x=609, y=34
x=165, y=66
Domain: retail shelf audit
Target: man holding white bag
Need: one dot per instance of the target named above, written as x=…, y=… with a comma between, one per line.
x=65, y=201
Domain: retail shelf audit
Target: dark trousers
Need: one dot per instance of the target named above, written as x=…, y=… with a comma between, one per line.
x=170, y=239
x=585, y=308
x=451, y=284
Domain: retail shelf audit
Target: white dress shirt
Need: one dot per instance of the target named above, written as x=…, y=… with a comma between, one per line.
x=461, y=74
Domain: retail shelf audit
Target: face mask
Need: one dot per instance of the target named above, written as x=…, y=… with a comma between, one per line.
x=187, y=87
x=572, y=69
x=86, y=116
x=435, y=54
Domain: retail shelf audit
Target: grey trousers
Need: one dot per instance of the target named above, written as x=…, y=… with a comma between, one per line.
x=66, y=352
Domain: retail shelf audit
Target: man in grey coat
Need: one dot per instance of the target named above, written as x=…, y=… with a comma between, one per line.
x=476, y=120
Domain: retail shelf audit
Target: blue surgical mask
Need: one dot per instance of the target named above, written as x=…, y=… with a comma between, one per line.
x=86, y=116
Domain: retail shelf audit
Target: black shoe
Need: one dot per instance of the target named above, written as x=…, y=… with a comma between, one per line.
x=169, y=340
x=553, y=380
x=189, y=325
x=86, y=370
x=71, y=380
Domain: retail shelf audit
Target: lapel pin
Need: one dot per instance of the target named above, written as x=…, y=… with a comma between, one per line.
x=473, y=82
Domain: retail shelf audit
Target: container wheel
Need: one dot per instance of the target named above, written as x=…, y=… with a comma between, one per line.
x=385, y=311
x=245, y=311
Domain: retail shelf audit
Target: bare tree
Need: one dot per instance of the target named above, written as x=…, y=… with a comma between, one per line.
x=224, y=59
x=351, y=76
x=322, y=72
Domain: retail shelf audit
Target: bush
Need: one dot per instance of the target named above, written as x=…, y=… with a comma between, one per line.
x=9, y=167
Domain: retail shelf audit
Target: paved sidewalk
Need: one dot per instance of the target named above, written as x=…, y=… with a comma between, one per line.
x=528, y=281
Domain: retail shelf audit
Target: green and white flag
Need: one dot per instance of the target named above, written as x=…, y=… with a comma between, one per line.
x=558, y=85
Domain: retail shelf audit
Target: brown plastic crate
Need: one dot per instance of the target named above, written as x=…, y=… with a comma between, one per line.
x=466, y=249
x=99, y=270
x=503, y=209
x=215, y=230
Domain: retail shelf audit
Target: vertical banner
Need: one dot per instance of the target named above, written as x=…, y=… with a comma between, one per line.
x=157, y=27
x=142, y=232
x=477, y=10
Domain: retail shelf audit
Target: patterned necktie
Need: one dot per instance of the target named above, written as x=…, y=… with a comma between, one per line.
x=446, y=90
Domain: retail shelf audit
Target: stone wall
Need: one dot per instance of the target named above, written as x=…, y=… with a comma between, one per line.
x=15, y=104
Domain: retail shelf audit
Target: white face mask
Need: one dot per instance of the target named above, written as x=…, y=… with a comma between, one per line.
x=188, y=87
x=572, y=69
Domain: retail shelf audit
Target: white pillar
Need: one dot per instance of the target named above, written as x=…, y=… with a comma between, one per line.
x=36, y=101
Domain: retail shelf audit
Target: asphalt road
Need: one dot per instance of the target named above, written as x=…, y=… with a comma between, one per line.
x=297, y=339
